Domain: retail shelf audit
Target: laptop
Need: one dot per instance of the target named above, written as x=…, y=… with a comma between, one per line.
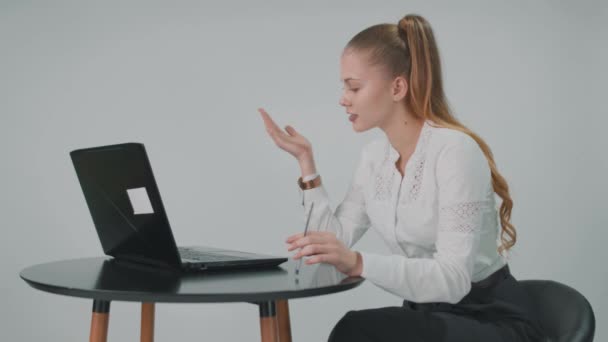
x=131, y=222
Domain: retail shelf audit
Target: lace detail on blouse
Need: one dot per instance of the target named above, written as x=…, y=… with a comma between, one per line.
x=413, y=174
x=418, y=166
x=462, y=217
x=384, y=178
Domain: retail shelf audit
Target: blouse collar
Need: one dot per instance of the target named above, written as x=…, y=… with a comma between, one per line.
x=420, y=143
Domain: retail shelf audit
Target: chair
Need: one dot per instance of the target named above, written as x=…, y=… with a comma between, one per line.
x=564, y=313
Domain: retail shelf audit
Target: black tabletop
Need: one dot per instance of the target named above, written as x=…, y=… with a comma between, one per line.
x=103, y=278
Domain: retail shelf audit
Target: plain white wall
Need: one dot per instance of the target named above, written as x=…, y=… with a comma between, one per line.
x=186, y=77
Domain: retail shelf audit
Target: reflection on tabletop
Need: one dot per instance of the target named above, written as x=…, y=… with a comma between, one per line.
x=130, y=277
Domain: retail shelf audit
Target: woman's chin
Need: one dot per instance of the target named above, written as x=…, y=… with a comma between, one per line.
x=358, y=127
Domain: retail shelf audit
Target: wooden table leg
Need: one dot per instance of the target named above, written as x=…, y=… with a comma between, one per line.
x=100, y=320
x=283, y=320
x=268, y=321
x=147, y=322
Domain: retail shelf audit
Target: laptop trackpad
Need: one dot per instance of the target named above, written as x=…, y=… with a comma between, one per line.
x=220, y=251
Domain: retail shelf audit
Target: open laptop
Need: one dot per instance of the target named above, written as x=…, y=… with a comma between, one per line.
x=131, y=222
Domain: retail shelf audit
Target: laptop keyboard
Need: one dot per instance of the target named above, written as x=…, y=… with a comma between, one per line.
x=190, y=254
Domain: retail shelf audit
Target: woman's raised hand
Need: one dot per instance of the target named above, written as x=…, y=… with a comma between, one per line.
x=289, y=140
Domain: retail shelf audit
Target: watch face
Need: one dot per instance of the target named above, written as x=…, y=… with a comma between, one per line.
x=309, y=184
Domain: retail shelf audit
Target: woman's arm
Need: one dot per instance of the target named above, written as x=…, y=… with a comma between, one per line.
x=349, y=221
x=331, y=234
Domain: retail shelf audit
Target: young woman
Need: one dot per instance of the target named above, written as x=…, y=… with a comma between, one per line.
x=428, y=188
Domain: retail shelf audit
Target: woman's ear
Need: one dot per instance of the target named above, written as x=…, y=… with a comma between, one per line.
x=400, y=88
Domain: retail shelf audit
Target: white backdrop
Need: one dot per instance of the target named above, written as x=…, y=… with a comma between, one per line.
x=185, y=78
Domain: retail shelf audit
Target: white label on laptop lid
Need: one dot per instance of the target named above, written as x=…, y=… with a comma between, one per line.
x=140, y=201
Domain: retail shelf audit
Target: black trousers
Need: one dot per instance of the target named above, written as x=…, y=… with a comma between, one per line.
x=491, y=312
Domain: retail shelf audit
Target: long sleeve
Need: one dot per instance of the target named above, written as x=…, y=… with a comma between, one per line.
x=350, y=221
x=464, y=196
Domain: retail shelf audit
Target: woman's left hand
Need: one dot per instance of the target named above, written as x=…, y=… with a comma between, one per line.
x=324, y=247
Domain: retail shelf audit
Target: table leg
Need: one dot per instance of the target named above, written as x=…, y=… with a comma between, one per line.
x=99, y=321
x=147, y=322
x=268, y=321
x=283, y=320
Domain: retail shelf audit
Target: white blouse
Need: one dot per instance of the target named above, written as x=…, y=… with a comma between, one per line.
x=439, y=221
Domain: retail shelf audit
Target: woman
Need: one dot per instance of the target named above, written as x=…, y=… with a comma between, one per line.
x=428, y=188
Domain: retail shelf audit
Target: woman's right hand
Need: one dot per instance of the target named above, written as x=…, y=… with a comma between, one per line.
x=292, y=142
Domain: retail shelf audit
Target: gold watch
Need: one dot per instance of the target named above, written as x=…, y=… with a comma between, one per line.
x=313, y=183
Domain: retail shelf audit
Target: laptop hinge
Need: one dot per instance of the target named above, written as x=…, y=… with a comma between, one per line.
x=143, y=260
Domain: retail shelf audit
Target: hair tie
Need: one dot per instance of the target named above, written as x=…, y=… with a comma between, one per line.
x=402, y=31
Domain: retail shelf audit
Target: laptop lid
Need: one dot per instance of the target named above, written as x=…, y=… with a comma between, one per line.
x=125, y=203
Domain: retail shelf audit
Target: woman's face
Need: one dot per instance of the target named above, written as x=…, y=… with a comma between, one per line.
x=367, y=91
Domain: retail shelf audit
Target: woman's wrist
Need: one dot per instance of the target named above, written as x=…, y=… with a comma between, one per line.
x=307, y=165
x=311, y=183
x=358, y=267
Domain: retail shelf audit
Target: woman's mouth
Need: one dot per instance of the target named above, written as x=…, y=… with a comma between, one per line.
x=352, y=117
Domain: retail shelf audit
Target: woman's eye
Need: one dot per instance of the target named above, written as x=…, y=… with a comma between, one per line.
x=355, y=89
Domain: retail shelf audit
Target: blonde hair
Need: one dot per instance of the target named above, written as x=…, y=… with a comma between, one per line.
x=408, y=49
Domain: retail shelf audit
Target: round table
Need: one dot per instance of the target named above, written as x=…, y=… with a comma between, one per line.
x=105, y=279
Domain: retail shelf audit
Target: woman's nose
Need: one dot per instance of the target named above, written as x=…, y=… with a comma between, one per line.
x=343, y=101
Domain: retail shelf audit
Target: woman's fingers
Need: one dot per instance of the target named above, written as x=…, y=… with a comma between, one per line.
x=312, y=239
x=307, y=240
x=292, y=131
x=288, y=140
x=315, y=249
x=272, y=127
x=268, y=122
x=282, y=139
x=299, y=235
x=325, y=258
